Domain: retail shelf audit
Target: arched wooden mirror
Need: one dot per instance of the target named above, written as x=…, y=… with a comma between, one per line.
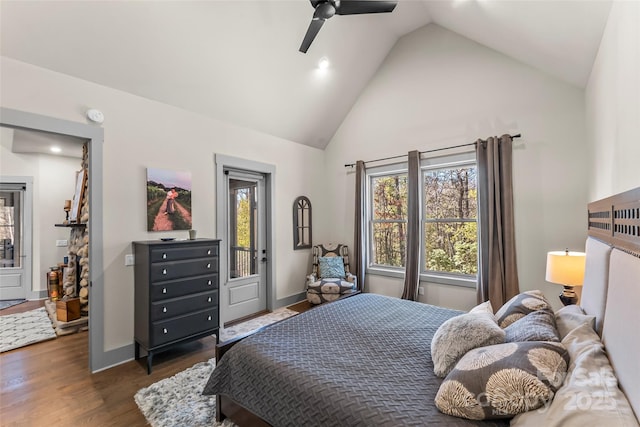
x=301, y=223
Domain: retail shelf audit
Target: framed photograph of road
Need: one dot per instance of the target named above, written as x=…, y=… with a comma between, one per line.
x=168, y=200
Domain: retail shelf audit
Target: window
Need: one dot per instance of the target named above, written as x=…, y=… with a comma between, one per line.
x=449, y=217
x=448, y=214
x=388, y=224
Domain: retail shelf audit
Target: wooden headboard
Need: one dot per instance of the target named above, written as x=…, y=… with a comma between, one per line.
x=616, y=220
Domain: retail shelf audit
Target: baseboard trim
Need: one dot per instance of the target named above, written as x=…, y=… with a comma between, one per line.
x=292, y=299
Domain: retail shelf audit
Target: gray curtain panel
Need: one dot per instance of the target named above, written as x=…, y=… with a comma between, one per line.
x=497, y=271
x=412, y=250
x=359, y=226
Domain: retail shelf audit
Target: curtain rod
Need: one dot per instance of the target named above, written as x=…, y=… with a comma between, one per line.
x=350, y=165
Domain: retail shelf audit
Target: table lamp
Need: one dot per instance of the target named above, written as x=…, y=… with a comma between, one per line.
x=567, y=269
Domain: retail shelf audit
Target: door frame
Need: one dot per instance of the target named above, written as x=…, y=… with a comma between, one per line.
x=229, y=162
x=99, y=359
x=27, y=232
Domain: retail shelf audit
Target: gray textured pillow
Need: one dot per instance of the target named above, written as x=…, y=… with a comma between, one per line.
x=503, y=380
x=460, y=334
x=537, y=326
x=570, y=317
x=521, y=305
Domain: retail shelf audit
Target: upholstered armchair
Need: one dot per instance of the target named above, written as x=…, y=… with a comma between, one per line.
x=330, y=277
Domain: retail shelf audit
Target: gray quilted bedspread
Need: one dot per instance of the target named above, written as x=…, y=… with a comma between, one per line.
x=361, y=361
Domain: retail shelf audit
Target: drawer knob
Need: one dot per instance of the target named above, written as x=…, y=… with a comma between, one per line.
x=209, y=252
x=209, y=265
x=164, y=271
x=164, y=330
x=164, y=256
x=209, y=318
x=209, y=299
x=209, y=282
x=164, y=309
x=164, y=290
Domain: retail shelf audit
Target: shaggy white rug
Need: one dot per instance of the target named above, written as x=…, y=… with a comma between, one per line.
x=178, y=401
x=18, y=330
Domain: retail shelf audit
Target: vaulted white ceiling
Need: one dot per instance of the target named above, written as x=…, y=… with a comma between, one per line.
x=238, y=60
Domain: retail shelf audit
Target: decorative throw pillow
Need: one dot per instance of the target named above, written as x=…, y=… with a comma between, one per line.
x=537, y=326
x=331, y=267
x=590, y=395
x=460, y=334
x=570, y=317
x=521, y=305
x=503, y=380
x=485, y=307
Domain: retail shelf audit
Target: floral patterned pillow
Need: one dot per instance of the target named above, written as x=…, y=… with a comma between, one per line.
x=521, y=305
x=500, y=381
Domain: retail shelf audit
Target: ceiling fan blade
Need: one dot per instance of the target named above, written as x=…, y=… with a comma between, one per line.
x=355, y=7
x=311, y=34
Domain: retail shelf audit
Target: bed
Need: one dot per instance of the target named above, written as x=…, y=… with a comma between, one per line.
x=366, y=360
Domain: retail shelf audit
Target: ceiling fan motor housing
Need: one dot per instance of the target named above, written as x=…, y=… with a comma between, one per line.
x=326, y=10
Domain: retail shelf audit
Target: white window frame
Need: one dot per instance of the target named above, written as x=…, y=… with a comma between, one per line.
x=448, y=161
x=443, y=162
x=383, y=270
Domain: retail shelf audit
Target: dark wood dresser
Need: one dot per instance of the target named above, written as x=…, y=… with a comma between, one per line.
x=176, y=293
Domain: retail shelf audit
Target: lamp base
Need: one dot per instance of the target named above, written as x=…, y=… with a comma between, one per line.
x=568, y=296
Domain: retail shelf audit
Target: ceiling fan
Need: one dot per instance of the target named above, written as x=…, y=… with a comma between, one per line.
x=325, y=9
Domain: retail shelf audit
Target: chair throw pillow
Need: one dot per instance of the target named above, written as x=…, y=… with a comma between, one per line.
x=537, y=326
x=521, y=305
x=458, y=335
x=331, y=267
x=503, y=380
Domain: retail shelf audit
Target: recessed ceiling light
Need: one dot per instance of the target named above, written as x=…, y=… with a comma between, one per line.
x=55, y=149
x=323, y=64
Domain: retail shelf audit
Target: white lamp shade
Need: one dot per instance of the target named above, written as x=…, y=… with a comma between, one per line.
x=566, y=268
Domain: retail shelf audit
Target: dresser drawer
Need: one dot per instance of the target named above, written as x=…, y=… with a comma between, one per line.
x=177, y=328
x=178, y=306
x=180, y=287
x=179, y=253
x=171, y=270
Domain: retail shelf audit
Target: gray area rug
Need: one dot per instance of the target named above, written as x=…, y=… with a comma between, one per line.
x=178, y=401
x=6, y=303
x=19, y=330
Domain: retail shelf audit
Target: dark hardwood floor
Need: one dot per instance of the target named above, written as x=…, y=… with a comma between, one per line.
x=49, y=384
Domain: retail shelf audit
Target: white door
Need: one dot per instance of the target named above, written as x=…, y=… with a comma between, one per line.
x=245, y=285
x=15, y=241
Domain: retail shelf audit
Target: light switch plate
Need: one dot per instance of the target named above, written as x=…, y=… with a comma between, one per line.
x=62, y=243
x=129, y=259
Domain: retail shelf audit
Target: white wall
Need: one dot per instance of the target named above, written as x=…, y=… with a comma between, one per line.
x=141, y=133
x=53, y=183
x=613, y=105
x=438, y=89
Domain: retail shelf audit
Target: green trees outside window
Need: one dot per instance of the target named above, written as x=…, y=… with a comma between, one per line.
x=449, y=218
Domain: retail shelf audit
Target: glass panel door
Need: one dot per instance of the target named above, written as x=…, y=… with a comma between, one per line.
x=243, y=228
x=10, y=228
x=15, y=264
